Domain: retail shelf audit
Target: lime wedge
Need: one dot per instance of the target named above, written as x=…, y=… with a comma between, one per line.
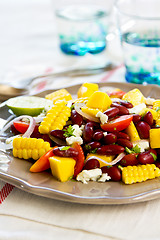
x=28, y=105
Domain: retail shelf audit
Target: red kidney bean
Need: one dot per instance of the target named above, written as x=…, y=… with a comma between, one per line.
x=157, y=163
x=122, y=135
x=122, y=110
x=58, y=134
x=129, y=160
x=76, y=118
x=110, y=149
x=143, y=129
x=71, y=152
x=110, y=138
x=124, y=142
x=136, y=118
x=46, y=138
x=148, y=118
x=112, y=112
x=146, y=157
x=113, y=171
x=92, y=145
x=91, y=163
x=88, y=132
x=158, y=151
x=98, y=135
x=124, y=103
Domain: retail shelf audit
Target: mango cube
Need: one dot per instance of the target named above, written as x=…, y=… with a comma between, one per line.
x=134, y=96
x=132, y=132
x=90, y=111
x=103, y=157
x=87, y=89
x=154, y=136
x=62, y=168
x=99, y=100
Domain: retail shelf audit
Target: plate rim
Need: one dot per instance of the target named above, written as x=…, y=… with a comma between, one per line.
x=67, y=197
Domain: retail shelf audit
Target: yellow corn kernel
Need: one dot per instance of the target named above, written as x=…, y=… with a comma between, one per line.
x=154, y=137
x=90, y=111
x=156, y=107
x=140, y=173
x=56, y=117
x=99, y=100
x=134, y=96
x=61, y=94
x=29, y=147
x=87, y=89
x=132, y=132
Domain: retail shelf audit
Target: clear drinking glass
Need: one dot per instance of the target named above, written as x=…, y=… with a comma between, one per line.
x=139, y=26
x=82, y=28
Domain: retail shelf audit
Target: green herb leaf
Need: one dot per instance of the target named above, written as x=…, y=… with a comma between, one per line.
x=157, y=109
x=135, y=149
x=69, y=131
x=87, y=147
x=154, y=156
x=64, y=148
x=94, y=150
x=72, y=107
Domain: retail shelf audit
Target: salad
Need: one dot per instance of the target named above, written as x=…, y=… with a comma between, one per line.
x=101, y=135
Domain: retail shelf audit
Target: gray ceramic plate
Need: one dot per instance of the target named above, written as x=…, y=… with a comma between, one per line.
x=43, y=184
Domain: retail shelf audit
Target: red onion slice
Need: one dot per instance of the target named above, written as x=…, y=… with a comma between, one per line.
x=29, y=130
x=78, y=106
x=116, y=160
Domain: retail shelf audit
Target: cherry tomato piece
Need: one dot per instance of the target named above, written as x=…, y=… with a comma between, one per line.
x=118, y=124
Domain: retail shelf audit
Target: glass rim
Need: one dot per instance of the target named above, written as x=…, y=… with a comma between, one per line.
x=59, y=14
x=133, y=15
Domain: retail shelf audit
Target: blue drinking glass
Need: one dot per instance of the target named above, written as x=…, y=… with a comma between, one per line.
x=139, y=26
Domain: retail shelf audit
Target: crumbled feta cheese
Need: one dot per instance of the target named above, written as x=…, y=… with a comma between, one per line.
x=105, y=134
x=104, y=177
x=77, y=130
x=103, y=117
x=72, y=139
x=87, y=175
x=137, y=109
x=149, y=101
x=142, y=144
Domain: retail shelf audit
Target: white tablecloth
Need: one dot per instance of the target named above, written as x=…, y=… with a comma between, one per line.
x=28, y=44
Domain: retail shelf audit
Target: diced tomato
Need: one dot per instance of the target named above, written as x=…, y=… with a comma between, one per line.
x=79, y=160
x=116, y=94
x=42, y=163
x=118, y=124
x=23, y=126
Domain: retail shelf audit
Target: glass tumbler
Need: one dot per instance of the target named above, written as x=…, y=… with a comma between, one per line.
x=82, y=29
x=139, y=27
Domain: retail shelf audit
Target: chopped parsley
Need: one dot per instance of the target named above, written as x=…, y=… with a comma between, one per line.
x=64, y=148
x=135, y=149
x=94, y=150
x=154, y=156
x=69, y=131
x=157, y=109
x=72, y=107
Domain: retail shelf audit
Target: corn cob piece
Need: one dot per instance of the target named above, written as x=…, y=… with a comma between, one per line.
x=61, y=94
x=140, y=173
x=156, y=107
x=81, y=100
x=29, y=147
x=56, y=117
x=134, y=96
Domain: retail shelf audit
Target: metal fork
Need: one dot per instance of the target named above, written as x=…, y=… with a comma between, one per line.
x=21, y=87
